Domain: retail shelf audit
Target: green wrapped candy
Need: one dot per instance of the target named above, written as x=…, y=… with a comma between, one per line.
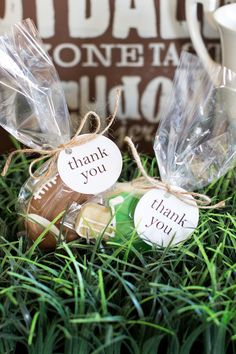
x=122, y=208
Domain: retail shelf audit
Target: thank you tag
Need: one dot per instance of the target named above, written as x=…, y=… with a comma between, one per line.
x=161, y=218
x=91, y=167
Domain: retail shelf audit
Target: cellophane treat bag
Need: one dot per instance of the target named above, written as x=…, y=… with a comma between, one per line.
x=195, y=142
x=195, y=145
x=34, y=111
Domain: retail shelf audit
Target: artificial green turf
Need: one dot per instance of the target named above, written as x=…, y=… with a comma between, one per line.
x=86, y=298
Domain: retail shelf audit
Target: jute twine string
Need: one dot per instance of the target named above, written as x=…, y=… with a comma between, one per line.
x=53, y=154
x=147, y=183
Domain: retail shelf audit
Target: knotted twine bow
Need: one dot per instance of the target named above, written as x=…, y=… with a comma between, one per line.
x=147, y=183
x=53, y=154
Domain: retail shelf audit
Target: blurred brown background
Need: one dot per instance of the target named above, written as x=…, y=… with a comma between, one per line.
x=100, y=45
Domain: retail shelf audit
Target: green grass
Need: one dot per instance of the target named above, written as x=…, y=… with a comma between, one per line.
x=85, y=298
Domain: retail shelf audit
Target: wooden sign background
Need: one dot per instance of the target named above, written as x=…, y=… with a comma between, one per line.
x=99, y=45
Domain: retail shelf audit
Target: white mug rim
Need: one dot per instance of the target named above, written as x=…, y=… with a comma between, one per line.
x=219, y=16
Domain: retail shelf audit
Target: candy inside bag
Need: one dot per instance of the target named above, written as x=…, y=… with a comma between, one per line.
x=42, y=200
x=195, y=142
x=110, y=215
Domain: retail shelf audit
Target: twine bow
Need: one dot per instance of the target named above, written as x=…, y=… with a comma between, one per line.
x=147, y=182
x=53, y=154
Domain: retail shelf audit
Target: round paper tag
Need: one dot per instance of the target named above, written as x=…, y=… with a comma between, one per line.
x=161, y=218
x=92, y=167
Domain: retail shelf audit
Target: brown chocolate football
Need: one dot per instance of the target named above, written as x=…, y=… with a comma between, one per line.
x=52, y=198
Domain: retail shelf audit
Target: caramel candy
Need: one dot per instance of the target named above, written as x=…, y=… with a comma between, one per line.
x=51, y=199
x=94, y=220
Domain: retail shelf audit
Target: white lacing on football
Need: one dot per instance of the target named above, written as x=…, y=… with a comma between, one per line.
x=45, y=187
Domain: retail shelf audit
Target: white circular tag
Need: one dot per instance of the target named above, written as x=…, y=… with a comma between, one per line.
x=92, y=167
x=161, y=218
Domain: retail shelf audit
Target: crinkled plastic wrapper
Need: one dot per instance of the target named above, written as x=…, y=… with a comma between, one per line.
x=32, y=102
x=195, y=143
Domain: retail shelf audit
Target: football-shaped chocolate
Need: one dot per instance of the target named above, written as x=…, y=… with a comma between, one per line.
x=52, y=198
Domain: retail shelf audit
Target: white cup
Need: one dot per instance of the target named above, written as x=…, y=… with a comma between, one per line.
x=224, y=20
